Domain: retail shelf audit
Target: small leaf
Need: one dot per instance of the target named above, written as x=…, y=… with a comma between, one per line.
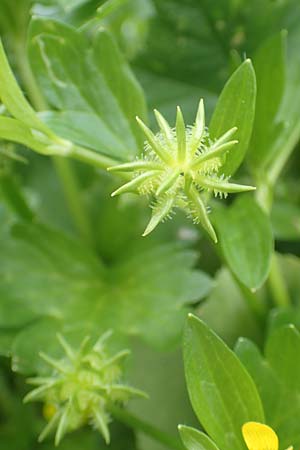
x=236, y=108
x=222, y=393
x=246, y=240
x=195, y=440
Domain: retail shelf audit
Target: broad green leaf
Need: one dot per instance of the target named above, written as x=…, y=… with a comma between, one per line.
x=216, y=381
x=47, y=275
x=246, y=240
x=13, y=98
x=195, y=440
x=73, y=77
x=277, y=378
x=236, y=108
x=269, y=65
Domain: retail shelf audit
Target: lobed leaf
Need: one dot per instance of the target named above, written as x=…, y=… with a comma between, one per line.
x=50, y=278
x=89, y=97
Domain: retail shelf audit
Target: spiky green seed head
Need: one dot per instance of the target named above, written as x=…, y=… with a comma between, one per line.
x=80, y=388
x=178, y=164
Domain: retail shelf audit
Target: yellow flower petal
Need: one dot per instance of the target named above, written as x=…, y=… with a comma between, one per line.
x=259, y=436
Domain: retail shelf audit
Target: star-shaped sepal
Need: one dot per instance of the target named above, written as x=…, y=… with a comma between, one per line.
x=178, y=165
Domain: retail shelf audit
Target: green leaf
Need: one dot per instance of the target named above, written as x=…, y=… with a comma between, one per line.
x=286, y=363
x=48, y=276
x=14, y=100
x=89, y=97
x=207, y=34
x=216, y=381
x=120, y=80
x=236, y=108
x=246, y=240
x=195, y=440
x=269, y=65
x=16, y=131
x=277, y=379
x=287, y=119
x=262, y=373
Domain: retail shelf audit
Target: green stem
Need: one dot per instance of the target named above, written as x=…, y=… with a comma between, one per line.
x=93, y=158
x=63, y=167
x=255, y=304
x=96, y=159
x=275, y=281
x=27, y=76
x=277, y=284
x=134, y=422
x=264, y=195
x=72, y=194
x=278, y=163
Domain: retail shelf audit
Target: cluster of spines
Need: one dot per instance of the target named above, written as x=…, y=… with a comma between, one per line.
x=178, y=164
x=80, y=388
